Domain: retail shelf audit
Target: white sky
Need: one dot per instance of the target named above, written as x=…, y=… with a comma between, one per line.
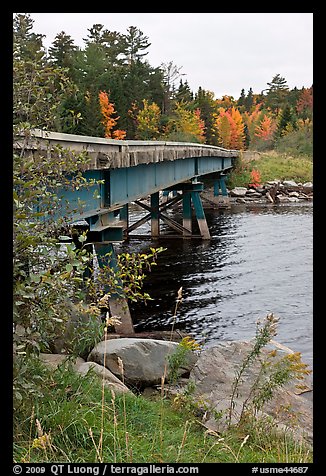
x=221, y=52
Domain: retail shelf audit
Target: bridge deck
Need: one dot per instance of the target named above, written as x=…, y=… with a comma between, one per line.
x=130, y=169
x=112, y=154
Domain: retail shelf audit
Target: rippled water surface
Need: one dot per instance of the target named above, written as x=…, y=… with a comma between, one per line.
x=259, y=260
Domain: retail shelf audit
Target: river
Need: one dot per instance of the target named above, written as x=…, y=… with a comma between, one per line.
x=258, y=261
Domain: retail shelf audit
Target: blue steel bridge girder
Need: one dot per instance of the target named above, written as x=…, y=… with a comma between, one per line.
x=106, y=202
x=125, y=185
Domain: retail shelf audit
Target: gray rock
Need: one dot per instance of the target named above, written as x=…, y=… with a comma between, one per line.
x=110, y=380
x=54, y=360
x=238, y=192
x=255, y=194
x=308, y=184
x=144, y=360
x=214, y=374
x=289, y=183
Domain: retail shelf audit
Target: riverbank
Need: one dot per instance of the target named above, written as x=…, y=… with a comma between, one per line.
x=272, y=192
x=85, y=414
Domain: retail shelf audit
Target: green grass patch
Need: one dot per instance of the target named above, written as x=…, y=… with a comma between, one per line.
x=72, y=416
x=272, y=166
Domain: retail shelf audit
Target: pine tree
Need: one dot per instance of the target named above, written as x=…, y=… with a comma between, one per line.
x=62, y=50
x=27, y=44
x=249, y=100
x=287, y=121
x=277, y=93
x=184, y=92
x=241, y=100
x=204, y=100
x=136, y=44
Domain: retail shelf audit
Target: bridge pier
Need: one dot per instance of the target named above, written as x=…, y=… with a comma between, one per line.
x=187, y=213
x=155, y=223
x=118, y=305
x=191, y=200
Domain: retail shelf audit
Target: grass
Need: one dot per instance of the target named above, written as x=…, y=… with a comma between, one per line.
x=273, y=166
x=64, y=425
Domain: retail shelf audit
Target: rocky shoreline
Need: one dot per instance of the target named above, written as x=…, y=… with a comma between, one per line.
x=140, y=364
x=272, y=192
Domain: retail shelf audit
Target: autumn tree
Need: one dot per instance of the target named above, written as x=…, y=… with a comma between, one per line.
x=108, y=121
x=226, y=102
x=304, y=105
x=265, y=130
x=185, y=125
x=148, y=121
x=230, y=128
x=223, y=130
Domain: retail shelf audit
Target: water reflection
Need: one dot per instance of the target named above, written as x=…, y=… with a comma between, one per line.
x=259, y=260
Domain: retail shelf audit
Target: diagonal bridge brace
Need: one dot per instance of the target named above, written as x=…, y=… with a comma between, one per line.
x=190, y=193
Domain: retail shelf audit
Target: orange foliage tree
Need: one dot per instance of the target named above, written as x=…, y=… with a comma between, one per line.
x=265, y=130
x=305, y=103
x=229, y=126
x=107, y=111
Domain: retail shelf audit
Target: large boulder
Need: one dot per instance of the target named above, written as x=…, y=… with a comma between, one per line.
x=144, y=361
x=52, y=361
x=103, y=375
x=214, y=374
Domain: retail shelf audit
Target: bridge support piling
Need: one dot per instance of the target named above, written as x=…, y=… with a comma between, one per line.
x=155, y=220
x=124, y=218
x=219, y=184
x=187, y=213
x=118, y=305
x=200, y=215
x=220, y=191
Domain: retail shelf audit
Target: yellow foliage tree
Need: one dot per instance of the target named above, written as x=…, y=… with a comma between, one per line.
x=148, y=120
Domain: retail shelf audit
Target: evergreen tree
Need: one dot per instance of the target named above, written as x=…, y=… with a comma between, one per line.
x=287, y=121
x=249, y=100
x=204, y=101
x=277, y=94
x=95, y=35
x=62, y=50
x=241, y=100
x=135, y=44
x=184, y=92
x=27, y=44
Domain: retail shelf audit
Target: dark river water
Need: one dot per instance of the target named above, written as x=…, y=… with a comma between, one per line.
x=258, y=261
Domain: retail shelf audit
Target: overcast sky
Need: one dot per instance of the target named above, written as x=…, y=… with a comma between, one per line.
x=221, y=52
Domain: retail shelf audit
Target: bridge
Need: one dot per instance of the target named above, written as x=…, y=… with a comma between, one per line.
x=129, y=171
x=155, y=175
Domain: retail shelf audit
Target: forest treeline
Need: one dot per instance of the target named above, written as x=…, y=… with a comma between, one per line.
x=109, y=89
